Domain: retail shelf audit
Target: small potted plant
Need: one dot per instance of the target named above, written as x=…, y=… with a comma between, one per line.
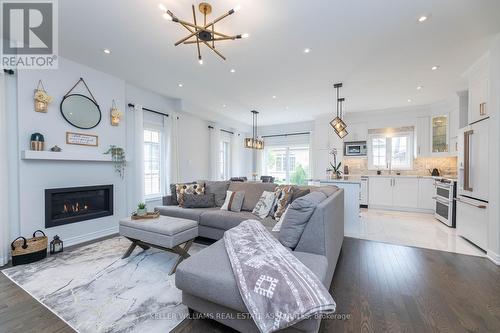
x=334, y=169
x=141, y=209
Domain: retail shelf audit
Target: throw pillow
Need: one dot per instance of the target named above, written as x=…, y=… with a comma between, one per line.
x=234, y=201
x=199, y=200
x=299, y=192
x=182, y=189
x=283, y=195
x=264, y=205
x=296, y=218
x=173, y=193
x=277, y=226
x=219, y=189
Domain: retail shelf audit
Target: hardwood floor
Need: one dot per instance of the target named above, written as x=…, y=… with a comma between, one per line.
x=378, y=287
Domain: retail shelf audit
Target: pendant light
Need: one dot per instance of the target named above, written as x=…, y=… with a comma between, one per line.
x=254, y=142
x=343, y=132
x=337, y=123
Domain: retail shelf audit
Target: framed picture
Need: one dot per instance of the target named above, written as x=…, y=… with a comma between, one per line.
x=82, y=139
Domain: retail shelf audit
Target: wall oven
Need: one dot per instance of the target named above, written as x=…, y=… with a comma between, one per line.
x=357, y=148
x=445, y=208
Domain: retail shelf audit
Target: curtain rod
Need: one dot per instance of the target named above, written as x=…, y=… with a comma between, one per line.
x=9, y=71
x=222, y=130
x=130, y=105
x=286, y=134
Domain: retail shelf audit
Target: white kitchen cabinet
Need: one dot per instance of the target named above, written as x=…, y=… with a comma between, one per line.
x=405, y=192
x=472, y=221
x=478, y=90
x=357, y=132
x=380, y=191
x=440, y=135
x=426, y=192
x=423, y=136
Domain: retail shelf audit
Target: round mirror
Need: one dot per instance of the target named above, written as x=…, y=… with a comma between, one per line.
x=80, y=111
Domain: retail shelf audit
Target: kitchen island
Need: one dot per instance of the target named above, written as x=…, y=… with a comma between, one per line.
x=352, y=194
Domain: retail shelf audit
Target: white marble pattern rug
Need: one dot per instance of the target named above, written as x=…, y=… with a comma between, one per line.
x=93, y=290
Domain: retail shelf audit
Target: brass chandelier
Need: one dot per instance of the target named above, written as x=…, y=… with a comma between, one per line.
x=337, y=123
x=254, y=142
x=204, y=34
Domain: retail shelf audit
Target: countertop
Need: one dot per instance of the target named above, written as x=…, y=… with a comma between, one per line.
x=356, y=179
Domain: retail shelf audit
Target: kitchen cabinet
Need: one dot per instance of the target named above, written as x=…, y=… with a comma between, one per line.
x=440, y=135
x=426, y=192
x=357, y=132
x=423, y=136
x=478, y=90
x=401, y=193
x=405, y=192
x=380, y=191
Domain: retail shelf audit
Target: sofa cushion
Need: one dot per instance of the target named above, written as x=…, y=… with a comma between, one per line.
x=219, y=189
x=199, y=201
x=234, y=201
x=223, y=219
x=208, y=275
x=296, y=217
x=253, y=191
x=264, y=205
x=182, y=189
x=184, y=213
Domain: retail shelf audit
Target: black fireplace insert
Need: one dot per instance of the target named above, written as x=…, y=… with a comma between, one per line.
x=75, y=204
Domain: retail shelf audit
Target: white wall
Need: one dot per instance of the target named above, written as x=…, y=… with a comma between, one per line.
x=36, y=176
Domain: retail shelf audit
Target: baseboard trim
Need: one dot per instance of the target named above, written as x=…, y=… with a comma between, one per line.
x=494, y=257
x=90, y=236
x=401, y=209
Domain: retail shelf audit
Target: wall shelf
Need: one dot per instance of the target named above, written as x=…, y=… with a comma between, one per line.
x=65, y=156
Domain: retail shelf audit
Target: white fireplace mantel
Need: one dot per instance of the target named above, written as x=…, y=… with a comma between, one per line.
x=65, y=156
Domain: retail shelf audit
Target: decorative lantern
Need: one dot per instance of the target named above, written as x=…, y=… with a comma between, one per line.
x=37, y=142
x=115, y=114
x=42, y=100
x=56, y=245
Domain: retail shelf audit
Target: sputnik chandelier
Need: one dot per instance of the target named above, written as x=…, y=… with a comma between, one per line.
x=203, y=34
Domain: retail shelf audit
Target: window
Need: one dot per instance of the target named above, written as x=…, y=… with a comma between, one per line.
x=390, y=151
x=224, y=161
x=152, y=163
x=288, y=164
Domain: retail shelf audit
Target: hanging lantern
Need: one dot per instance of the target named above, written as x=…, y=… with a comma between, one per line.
x=56, y=245
x=42, y=99
x=254, y=142
x=337, y=123
x=115, y=114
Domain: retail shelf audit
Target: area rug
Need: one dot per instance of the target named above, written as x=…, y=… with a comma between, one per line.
x=93, y=290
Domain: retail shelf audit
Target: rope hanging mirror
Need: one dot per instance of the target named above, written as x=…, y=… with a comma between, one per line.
x=79, y=110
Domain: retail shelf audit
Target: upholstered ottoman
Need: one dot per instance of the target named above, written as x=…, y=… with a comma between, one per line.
x=165, y=233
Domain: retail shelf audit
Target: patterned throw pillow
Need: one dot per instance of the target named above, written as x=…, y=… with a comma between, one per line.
x=283, y=194
x=234, y=201
x=181, y=189
x=264, y=205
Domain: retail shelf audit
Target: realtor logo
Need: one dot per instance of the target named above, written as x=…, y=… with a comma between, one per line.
x=29, y=34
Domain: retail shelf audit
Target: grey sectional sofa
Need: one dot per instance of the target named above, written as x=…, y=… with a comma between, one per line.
x=206, y=278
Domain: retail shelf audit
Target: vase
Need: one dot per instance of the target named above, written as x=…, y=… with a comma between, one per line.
x=141, y=212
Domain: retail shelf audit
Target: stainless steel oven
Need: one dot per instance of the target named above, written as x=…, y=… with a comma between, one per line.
x=357, y=148
x=445, y=209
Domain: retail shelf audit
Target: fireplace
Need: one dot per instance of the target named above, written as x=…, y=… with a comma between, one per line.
x=75, y=204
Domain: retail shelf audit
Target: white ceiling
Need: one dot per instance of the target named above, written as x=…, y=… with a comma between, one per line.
x=376, y=48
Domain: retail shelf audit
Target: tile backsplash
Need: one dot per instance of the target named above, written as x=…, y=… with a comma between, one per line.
x=447, y=166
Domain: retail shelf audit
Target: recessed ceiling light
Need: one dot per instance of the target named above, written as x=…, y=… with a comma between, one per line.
x=274, y=96
x=180, y=85
x=307, y=50
x=409, y=100
x=422, y=18
x=419, y=88
x=434, y=68
x=233, y=70
x=224, y=105
x=286, y=108
x=107, y=51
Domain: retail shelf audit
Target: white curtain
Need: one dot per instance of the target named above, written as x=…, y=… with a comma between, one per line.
x=171, y=143
x=138, y=177
x=237, y=157
x=4, y=177
x=214, y=152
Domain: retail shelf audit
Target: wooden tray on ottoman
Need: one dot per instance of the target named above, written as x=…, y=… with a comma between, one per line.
x=149, y=215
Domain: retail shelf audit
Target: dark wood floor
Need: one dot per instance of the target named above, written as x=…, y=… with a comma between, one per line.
x=378, y=287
